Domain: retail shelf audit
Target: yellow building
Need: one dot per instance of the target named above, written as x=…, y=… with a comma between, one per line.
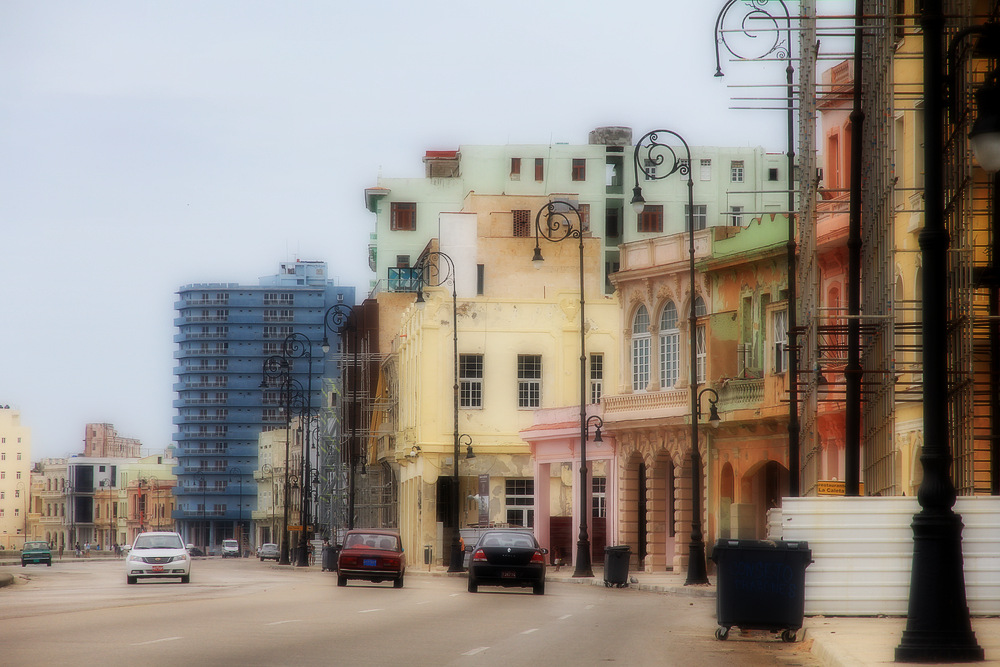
x=15, y=480
x=518, y=351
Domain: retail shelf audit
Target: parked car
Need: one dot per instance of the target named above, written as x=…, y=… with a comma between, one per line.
x=372, y=554
x=230, y=549
x=158, y=555
x=194, y=551
x=508, y=558
x=36, y=552
x=268, y=551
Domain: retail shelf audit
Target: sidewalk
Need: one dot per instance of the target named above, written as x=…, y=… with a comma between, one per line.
x=836, y=641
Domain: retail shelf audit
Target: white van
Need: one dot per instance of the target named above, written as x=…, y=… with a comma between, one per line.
x=230, y=548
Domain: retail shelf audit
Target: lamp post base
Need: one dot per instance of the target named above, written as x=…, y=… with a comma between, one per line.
x=455, y=563
x=697, y=570
x=583, y=567
x=938, y=627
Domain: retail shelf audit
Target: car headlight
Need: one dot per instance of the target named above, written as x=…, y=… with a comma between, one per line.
x=180, y=557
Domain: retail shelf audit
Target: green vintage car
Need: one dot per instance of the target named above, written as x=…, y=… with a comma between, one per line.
x=36, y=552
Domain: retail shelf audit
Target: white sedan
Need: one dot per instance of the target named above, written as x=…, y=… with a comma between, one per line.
x=157, y=555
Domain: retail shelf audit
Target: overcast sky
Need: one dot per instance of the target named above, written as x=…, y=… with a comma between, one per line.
x=145, y=145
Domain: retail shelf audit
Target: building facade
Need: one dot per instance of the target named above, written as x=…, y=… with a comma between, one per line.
x=15, y=482
x=102, y=440
x=226, y=333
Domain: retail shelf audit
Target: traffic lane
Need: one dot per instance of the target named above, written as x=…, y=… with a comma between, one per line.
x=92, y=584
x=433, y=620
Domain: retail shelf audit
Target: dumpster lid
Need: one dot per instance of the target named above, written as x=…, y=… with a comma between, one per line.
x=786, y=545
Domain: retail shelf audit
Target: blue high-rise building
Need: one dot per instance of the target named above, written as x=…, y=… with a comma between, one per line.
x=226, y=331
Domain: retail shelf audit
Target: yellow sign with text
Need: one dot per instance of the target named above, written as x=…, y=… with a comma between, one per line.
x=836, y=488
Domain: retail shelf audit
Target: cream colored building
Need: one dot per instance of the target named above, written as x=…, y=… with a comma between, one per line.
x=15, y=478
x=518, y=352
x=48, y=517
x=268, y=518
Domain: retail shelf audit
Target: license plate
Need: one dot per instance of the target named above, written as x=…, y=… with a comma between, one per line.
x=370, y=562
x=507, y=574
x=157, y=568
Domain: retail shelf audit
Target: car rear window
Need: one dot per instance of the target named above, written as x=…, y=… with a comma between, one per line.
x=372, y=541
x=507, y=540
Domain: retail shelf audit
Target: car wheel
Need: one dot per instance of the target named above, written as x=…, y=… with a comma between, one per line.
x=186, y=579
x=131, y=580
x=539, y=588
x=473, y=586
x=398, y=583
x=341, y=581
x=23, y=564
x=49, y=563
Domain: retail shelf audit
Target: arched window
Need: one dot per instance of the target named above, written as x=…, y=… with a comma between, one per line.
x=640, y=349
x=669, y=346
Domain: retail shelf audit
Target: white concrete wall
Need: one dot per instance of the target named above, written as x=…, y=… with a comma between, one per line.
x=862, y=549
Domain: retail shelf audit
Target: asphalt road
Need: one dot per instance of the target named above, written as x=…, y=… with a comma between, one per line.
x=243, y=612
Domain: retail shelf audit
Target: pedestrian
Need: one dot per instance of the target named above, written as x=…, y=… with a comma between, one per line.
x=86, y=549
x=312, y=556
x=77, y=549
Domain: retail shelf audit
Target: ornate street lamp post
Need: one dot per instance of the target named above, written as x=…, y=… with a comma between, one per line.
x=200, y=478
x=277, y=371
x=764, y=31
x=342, y=318
x=938, y=626
x=559, y=226
x=431, y=273
x=236, y=473
x=268, y=470
x=657, y=154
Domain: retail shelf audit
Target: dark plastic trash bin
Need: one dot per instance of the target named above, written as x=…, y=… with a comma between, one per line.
x=330, y=554
x=616, y=566
x=761, y=585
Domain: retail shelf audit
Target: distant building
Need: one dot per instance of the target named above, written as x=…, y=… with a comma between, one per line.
x=49, y=520
x=226, y=332
x=15, y=483
x=732, y=185
x=103, y=440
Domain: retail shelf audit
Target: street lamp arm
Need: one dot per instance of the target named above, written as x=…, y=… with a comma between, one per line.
x=656, y=153
x=431, y=273
x=755, y=24
x=558, y=225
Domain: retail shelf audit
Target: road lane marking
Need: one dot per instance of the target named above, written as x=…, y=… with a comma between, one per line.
x=157, y=641
x=368, y=611
x=589, y=606
x=528, y=632
x=425, y=602
x=563, y=618
x=283, y=622
x=477, y=650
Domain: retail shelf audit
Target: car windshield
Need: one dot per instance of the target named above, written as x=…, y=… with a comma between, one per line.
x=36, y=545
x=158, y=542
x=508, y=540
x=371, y=541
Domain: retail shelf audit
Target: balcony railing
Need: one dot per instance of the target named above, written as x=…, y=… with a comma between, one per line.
x=734, y=395
x=670, y=399
x=738, y=394
x=403, y=279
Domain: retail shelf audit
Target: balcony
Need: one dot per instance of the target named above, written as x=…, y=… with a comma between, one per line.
x=741, y=394
x=668, y=402
x=403, y=279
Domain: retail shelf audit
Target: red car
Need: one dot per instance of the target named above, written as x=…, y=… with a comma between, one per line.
x=372, y=554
